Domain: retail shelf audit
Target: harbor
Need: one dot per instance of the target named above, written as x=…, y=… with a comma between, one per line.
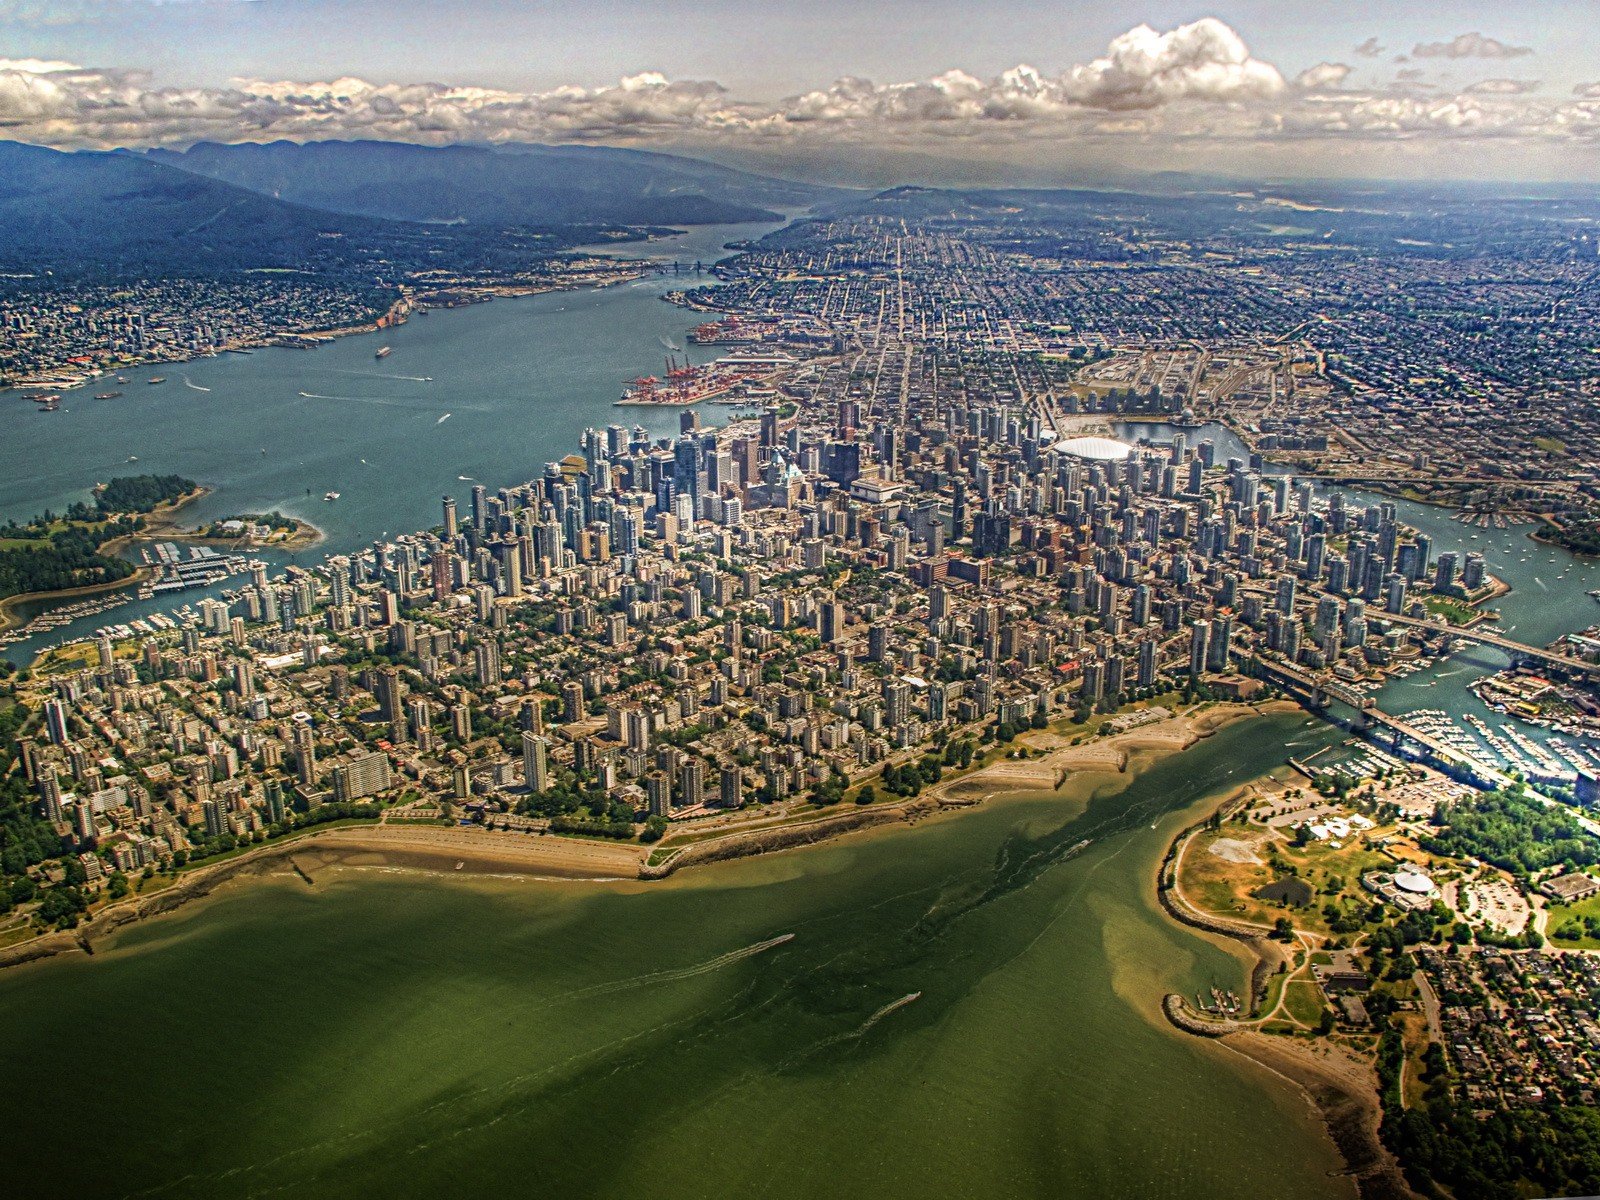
x=283, y=428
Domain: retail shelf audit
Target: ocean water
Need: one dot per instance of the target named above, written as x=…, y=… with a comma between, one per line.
x=967, y=1009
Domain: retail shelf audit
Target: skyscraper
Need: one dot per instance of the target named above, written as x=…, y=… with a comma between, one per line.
x=535, y=762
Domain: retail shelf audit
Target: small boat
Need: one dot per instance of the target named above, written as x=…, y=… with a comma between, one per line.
x=106, y=395
x=384, y=352
x=122, y=379
x=158, y=379
x=331, y=496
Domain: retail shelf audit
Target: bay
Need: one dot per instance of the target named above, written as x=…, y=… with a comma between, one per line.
x=970, y=1008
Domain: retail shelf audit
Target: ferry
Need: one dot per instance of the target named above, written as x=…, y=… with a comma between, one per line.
x=383, y=352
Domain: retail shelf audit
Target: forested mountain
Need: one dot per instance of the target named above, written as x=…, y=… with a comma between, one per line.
x=63, y=212
x=502, y=185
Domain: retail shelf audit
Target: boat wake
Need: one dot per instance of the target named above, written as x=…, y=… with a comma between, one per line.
x=892, y=1006
x=675, y=974
x=187, y=382
x=384, y=375
x=859, y=1032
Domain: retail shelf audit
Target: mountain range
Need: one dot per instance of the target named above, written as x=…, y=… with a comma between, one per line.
x=501, y=185
x=286, y=205
x=66, y=212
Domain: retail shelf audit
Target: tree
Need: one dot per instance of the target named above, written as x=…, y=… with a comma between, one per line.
x=1283, y=929
x=867, y=795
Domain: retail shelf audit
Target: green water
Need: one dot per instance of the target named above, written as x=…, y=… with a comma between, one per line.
x=395, y=1034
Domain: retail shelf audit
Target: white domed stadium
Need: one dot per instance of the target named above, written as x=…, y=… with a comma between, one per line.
x=1095, y=449
x=1413, y=880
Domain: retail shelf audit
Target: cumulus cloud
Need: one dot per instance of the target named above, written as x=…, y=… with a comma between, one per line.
x=1323, y=76
x=1369, y=48
x=1196, y=82
x=81, y=107
x=1469, y=45
x=1503, y=87
x=1143, y=69
x=37, y=66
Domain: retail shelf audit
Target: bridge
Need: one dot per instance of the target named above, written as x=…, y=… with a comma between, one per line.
x=1517, y=650
x=1381, y=477
x=1404, y=738
x=1576, y=667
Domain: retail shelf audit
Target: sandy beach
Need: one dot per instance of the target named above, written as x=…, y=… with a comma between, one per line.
x=477, y=851
x=1062, y=757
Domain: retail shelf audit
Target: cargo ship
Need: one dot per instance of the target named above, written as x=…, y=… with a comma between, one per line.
x=384, y=352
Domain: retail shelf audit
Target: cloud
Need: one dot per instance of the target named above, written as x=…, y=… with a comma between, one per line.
x=1197, y=84
x=1143, y=69
x=1469, y=45
x=83, y=107
x=1369, y=48
x=1322, y=77
x=1503, y=87
x=1590, y=91
x=37, y=66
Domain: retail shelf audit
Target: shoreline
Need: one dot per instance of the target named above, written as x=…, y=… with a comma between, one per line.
x=160, y=526
x=309, y=339
x=8, y=606
x=438, y=849
x=142, y=572
x=1341, y=1089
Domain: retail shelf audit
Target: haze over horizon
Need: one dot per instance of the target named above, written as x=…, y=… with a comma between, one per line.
x=866, y=94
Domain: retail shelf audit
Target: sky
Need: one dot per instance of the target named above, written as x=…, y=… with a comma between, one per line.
x=857, y=90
